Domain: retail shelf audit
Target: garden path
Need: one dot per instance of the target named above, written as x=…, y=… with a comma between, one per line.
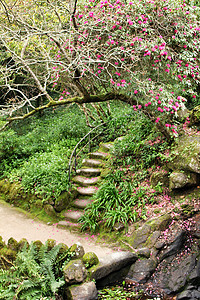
x=16, y=224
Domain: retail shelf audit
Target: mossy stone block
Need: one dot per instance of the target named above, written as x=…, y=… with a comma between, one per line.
x=90, y=259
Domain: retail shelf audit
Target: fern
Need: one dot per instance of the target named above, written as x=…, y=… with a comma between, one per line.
x=36, y=274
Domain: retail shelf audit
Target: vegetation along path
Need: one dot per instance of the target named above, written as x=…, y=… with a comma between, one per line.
x=16, y=224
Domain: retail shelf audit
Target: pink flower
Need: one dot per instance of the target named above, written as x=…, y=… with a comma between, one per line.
x=135, y=92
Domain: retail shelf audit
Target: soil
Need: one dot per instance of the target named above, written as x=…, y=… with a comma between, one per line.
x=16, y=224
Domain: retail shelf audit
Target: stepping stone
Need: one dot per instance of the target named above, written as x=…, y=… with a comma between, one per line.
x=89, y=172
x=106, y=146
x=98, y=155
x=73, y=215
x=85, y=181
x=90, y=190
x=82, y=203
x=68, y=224
x=89, y=162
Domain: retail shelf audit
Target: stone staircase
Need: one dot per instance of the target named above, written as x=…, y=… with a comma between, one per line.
x=86, y=182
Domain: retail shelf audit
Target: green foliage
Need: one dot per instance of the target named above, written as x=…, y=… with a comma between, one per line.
x=118, y=292
x=141, y=145
x=35, y=274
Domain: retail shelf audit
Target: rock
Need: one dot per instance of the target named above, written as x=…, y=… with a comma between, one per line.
x=152, y=239
x=159, y=177
x=12, y=244
x=85, y=291
x=63, y=248
x=75, y=272
x=38, y=244
x=49, y=210
x=183, y=112
x=2, y=243
x=78, y=250
x=176, y=242
x=144, y=252
x=179, y=272
x=118, y=227
x=141, y=270
x=114, y=262
x=90, y=259
x=185, y=295
x=23, y=243
x=50, y=243
x=140, y=237
x=65, y=200
x=187, y=156
x=182, y=179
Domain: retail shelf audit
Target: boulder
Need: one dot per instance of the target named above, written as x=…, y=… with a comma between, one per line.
x=85, y=291
x=147, y=235
x=114, y=262
x=90, y=259
x=77, y=250
x=186, y=157
x=141, y=270
x=176, y=242
x=75, y=272
x=49, y=210
x=182, y=179
x=64, y=200
x=12, y=244
x=160, y=177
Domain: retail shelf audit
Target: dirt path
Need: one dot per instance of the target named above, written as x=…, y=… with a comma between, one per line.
x=16, y=224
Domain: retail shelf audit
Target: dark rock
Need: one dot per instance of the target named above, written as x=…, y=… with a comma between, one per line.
x=159, y=245
x=182, y=179
x=196, y=294
x=141, y=270
x=185, y=295
x=85, y=291
x=144, y=252
x=177, y=240
x=152, y=239
x=175, y=273
x=64, y=200
x=113, y=262
x=75, y=272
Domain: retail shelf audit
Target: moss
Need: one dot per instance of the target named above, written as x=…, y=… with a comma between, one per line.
x=63, y=248
x=90, y=259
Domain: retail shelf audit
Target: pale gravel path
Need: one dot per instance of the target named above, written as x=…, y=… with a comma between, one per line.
x=16, y=224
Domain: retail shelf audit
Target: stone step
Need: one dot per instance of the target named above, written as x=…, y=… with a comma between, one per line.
x=90, y=190
x=90, y=162
x=67, y=224
x=98, y=155
x=85, y=181
x=91, y=172
x=106, y=147
x=72, y=215
x=82, y=203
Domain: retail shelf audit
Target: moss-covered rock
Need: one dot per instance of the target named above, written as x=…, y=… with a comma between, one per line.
x=77, y=250
x=195, y=115
x=12, y=244
x=75, y=272
x=50, y=243
x=90, y=259
x=23, y=243
x=65, y=199
x=38, y=244
x=2, y=243
x=160, y=177
x=8, y=253
x=186, y=155
x=49, y=210
x=182, y=179
x=63, y=248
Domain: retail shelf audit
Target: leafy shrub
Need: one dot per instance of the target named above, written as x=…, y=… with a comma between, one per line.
x=44, y=173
